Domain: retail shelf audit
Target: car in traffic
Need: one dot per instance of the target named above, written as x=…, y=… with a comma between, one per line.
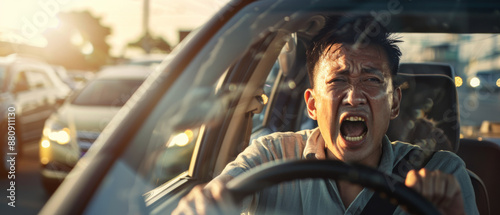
x=30, y=90
x=72, y=129
x=243, y=74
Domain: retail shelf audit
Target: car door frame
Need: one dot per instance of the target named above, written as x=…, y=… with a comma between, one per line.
x=75, y=193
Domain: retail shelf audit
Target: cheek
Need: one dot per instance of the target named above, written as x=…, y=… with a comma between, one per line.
x=381, y=110
x=328, y=100
x=381, y=105
x=328, y=104
x=376, y=93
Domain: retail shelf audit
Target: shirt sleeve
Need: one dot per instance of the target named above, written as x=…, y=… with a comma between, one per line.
x=263, y=150
x=252, y=156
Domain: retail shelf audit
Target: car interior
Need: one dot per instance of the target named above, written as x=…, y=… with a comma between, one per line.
x=257, y=89
x=283, y=59
x=286, y=109
x=429, y=92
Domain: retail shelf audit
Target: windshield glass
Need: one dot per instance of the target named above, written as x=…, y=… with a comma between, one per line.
x=107, y=93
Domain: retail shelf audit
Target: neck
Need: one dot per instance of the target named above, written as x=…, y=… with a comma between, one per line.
x=371, y=160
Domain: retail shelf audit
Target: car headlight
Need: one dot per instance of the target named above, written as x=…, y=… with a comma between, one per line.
x=458, y=81
x=57, y=133
x=474, y=82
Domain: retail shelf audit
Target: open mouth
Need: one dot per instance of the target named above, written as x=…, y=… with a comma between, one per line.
x=353, y=128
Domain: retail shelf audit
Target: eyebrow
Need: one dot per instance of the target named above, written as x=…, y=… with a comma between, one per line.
x=344, y=72
x=372, y=71
x=363, y=71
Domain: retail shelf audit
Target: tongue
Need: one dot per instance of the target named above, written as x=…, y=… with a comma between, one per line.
x=352, y=129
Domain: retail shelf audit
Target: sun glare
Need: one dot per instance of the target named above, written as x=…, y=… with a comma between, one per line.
x=29, y=18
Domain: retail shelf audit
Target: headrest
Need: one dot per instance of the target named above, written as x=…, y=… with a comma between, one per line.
x=429, y=110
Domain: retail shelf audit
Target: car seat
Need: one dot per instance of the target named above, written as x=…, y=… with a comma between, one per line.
x=429, y=118
x=482, y=157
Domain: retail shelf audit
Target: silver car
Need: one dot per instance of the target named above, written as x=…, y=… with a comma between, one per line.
x=30, y=91
x=70, y=132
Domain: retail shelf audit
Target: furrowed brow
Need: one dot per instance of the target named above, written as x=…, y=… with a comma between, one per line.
x=373, y=71
x=344, y=72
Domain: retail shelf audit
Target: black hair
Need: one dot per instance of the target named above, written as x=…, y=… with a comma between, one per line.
x=360, y=31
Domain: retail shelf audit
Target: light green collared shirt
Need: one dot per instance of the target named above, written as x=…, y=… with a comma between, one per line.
x=321, y=196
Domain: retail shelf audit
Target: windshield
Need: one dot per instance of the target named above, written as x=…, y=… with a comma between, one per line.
x=106, y=92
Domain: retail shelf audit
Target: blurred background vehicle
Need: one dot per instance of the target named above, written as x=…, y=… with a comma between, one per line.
x=70, y=131
x=34, y=89
x=80, y=77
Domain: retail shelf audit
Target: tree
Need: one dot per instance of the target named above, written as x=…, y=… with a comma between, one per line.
x=79, y=42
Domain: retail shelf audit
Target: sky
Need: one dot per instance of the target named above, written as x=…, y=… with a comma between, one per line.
x=21, y=19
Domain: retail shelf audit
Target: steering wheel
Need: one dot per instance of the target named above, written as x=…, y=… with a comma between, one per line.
x=270, y=174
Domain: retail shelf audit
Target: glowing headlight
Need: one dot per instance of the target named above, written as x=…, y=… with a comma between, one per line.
x=458, y=81
x=60, y=136
x=474, y=82
x=45, y=144
x=56, y=133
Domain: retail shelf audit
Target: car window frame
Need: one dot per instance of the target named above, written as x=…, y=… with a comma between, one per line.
x=200, y=173
x=85, y=186
x=201, y=165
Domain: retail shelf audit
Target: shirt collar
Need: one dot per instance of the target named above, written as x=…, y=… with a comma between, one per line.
x=387, y=159
x=315, y=146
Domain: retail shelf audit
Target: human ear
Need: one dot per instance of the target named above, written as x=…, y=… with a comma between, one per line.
x=310, y=103
x=396, y=101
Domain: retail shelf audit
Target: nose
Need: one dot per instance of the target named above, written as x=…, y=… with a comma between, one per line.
x=354, y=96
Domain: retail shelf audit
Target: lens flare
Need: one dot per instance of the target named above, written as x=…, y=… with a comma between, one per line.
x=475, y=82
x=181, y=139
x=62, y=136
x=458, y=81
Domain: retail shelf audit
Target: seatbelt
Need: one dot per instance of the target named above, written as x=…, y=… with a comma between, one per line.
x=414, y=159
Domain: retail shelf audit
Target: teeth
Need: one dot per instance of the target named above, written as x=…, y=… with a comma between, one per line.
x=355, y=119
x=354, y=138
